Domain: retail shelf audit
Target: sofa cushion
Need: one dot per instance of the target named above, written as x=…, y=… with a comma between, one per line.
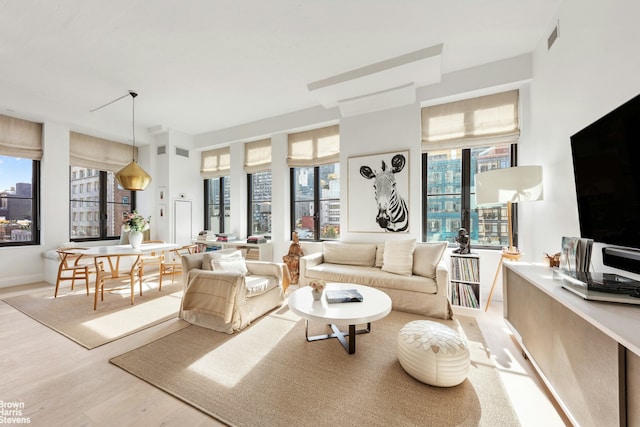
x=230, y=262
x=426, y=257
x=349, y=253
x=398, y=256
x=372, y=276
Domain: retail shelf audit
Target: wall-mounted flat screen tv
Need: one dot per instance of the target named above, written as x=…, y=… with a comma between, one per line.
x=606, y=164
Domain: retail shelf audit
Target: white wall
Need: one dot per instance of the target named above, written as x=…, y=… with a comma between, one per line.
x=592, y=68
x=386, y=131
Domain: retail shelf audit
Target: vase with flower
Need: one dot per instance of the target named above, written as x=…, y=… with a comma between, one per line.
x=317, y=288
x=135, y=224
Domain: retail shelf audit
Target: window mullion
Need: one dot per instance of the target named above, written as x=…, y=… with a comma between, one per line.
x=221, y=205
x=465, y=211
x=103, y=205
x=316, y=203
x=249, y=204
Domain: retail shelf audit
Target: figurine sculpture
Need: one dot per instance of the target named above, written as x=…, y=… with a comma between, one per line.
x=292, y=258
x=462, y=239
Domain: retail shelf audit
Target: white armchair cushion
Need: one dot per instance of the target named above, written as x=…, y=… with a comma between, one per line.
x=230, y=262
x=258, y=285
x=398, y=256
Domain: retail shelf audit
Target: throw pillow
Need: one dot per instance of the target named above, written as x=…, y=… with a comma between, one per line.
x=398, y=256
x=426, y=257
x=349, y=253
x=231, y=262
x=207, y=260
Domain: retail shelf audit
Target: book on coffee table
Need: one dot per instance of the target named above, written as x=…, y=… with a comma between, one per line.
x=343, y=295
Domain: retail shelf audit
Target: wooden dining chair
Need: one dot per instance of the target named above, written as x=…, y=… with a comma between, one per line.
x=172, y=261
x=73, y=267
x=152, y=258
x=108, y=267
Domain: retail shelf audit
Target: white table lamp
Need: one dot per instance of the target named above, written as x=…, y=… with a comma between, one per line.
x=509, y=185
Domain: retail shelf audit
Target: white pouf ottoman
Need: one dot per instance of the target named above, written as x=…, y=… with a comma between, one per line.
x=433, y=353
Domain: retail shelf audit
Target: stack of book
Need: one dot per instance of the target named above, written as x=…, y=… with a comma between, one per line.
x=340, y=296
x=256, y=239
x=206, y=235
x=465, y=269
x=224, y=237
x=463, y=295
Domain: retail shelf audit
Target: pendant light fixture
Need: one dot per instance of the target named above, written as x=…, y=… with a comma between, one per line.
x=132, y=177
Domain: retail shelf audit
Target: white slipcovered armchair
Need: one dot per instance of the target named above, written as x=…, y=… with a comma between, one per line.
x=225, y=293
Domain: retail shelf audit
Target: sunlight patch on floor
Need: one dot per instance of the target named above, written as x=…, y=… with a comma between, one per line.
x=123, y=321
x=230, y=362
x=533, y=409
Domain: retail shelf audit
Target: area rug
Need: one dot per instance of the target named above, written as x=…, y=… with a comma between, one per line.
x=269, y=375
x=72, y=315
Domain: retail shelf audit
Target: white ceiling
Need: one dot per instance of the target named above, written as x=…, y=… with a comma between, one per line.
x=205, y=65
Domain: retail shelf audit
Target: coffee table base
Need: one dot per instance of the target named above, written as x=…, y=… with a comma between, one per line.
x=349, y=346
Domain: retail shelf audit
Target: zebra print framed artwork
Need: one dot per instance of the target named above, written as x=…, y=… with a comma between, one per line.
x=378, y=187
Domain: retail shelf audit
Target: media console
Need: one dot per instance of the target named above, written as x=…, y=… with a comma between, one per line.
x=586, y=352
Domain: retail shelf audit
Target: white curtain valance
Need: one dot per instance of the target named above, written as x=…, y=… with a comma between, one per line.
x=315, y=147
x=215, y=163
x=97, y=153
x=257, y=156
x=20, y=138
x=485, y=120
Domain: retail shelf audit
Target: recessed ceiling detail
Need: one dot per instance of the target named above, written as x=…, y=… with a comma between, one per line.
x=382, y=85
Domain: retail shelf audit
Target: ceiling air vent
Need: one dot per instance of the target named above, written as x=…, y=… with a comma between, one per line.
x=552, y=37
x=162, y=149
x=182, y=152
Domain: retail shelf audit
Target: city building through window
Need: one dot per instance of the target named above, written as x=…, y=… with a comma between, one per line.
x=315, y=193
x=259, y=191
x=18, y=201
x=98, y=206
x=218, y=204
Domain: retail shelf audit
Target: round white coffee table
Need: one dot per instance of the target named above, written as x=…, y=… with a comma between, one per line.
x=374, y=306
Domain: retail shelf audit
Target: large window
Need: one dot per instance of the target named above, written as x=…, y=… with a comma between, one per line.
x=218, y=204
x=18, y=201
x=450, y=195
x=20, y=155
x=314, y=158
x=315, y=207
x=215, y=168
x=97, y=204
x=459, y=140
x=257, y=165
x=259, y=190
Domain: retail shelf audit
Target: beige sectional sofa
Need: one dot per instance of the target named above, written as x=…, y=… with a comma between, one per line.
x=414, y=275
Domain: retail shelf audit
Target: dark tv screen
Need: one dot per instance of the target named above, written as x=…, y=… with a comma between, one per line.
x=606, y=164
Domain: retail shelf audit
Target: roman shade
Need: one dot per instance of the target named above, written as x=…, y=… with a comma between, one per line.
x=96, y=153
x=215, y=163
x=314, y=147
x=20, y=138
x=257, y=156
x=486, y=120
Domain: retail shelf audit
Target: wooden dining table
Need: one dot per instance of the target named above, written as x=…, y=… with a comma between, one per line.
x=109, y=256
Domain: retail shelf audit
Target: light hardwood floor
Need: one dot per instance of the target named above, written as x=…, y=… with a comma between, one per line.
x=64, y=384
